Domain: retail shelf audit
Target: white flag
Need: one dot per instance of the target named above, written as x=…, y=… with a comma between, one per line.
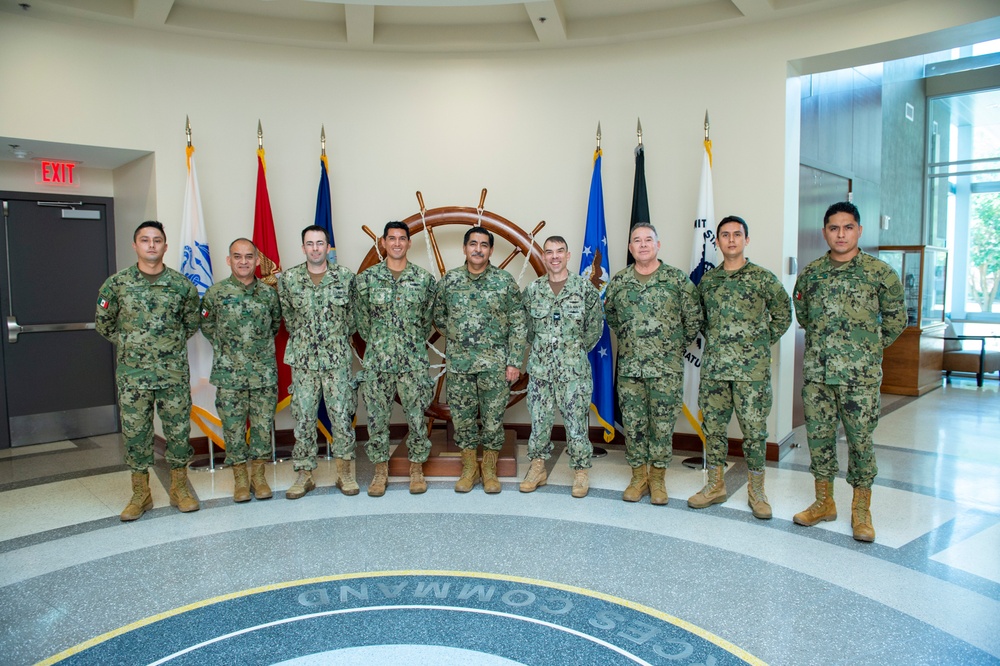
x=703, y=259
x=196, y=265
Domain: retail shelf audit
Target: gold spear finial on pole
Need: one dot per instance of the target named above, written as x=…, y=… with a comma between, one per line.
x=707, y=125
x=598, y=134
x=322, y=140
x=638, y=130
x=187, y=129
x=260, y=136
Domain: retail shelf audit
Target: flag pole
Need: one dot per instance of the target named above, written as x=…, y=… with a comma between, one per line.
x=638, y=130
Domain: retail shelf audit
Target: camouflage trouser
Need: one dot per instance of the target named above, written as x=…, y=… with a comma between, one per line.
x=416, y=389
x=339, y=390
x=173, y=404
x=650, y=407
x=573, y=400
x=478, y=393
x=235, y=406
x=857, y=406
x=752, y=401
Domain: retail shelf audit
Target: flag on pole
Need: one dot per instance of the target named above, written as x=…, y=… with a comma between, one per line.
x=703, y=258
x=196, y=265
x=594, y=266
x=640, y=201
x=269, y=270
x=324, y=218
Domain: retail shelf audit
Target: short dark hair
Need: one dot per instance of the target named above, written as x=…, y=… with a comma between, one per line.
x=733, y=218
x=395, y=224
x=643, y=225
x=315, y=227
x=842, y=207
x=242, y=240
x=557, y=239
x=153, y=224
x=477, y=230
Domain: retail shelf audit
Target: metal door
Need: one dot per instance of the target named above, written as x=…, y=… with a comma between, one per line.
x=58, y=373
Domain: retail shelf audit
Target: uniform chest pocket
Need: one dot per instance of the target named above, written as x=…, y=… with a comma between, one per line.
x=573, y=307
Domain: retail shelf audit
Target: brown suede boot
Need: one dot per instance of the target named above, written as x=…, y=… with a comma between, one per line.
x=824, y=508
x=241, y=483
x=377, y=487
x=657, y=486
x=581, y=483
x=491, y=484
x=756, y=499
x=258, y=481
x=714, y=491
x=303, y=484
x=638, y=487
x=861, y=515
x=180, y=491
x=536, y=476
x=418, y=484
x=345, y=477
x=142, y=499
x=470, y=471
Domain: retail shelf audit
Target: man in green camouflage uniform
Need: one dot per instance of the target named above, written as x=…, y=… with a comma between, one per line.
x=393, y=301
x=746, y=310
x=851, y=307
x=654, y=312
x=316, y=303
x=565, y=321
x=240, y=317
x=149, y=311
x=478, y=310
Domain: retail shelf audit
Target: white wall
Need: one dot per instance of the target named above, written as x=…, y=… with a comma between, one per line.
x=520, y=124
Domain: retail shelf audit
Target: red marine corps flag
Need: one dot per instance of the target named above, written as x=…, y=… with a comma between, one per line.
x=270, y=264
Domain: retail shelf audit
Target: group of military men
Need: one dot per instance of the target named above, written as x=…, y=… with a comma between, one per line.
x=849, y=303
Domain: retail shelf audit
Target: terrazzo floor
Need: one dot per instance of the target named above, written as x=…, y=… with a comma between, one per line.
x=540, y=578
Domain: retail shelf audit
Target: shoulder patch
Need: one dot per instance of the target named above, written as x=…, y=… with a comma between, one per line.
x=103, y=303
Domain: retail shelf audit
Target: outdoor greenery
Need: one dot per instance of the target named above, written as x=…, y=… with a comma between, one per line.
x=984, y=250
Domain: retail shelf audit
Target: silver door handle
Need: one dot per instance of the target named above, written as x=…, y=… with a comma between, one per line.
x=14, y=329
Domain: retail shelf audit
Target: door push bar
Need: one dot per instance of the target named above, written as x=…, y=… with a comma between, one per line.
x=14, y=329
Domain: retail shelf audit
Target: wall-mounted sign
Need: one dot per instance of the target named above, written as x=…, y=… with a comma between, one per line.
x=59, y=174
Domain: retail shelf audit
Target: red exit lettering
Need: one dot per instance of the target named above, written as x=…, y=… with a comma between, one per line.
x=57, y=173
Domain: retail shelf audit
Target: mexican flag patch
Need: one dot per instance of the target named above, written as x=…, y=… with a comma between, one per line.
x=103, y=303
x=204, y=312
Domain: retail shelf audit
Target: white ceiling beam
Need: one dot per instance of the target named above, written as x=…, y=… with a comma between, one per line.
x=548, y=21
x=754, y=8
x=360, y=24
x=151, y=12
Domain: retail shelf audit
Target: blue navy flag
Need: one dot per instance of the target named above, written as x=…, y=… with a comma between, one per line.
x=324, y=218
x=324, y=213
x=594, y=266
x=703, y=259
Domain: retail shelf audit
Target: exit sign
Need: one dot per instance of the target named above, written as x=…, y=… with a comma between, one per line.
x=58, y=174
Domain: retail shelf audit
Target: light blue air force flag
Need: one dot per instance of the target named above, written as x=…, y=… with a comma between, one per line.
x=594, y=266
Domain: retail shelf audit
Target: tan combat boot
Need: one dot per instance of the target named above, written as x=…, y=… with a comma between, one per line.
x=241, y=483
x=142, y=499
x=824, y=508
x=491, y=483
x=303, y=484
x=638, y=487
x=258, y=481
x=861, y=515
x=756, y=499
x=377, y=487
x=418, y=484
x=536, y=476
x=657, y=486
x=180, y=491
x=345, y=477
x=470, y=471
x=714, y=491
x=581, y=483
